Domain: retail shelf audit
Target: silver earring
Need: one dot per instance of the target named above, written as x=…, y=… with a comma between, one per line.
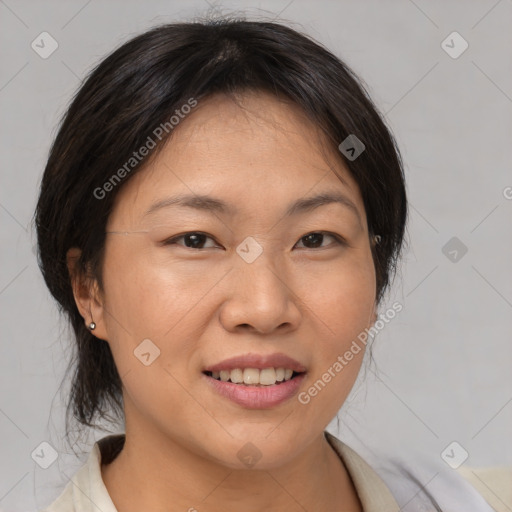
x=377, y=238
x=92, y=326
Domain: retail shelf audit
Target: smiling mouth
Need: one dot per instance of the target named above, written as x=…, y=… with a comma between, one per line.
x=252, y=377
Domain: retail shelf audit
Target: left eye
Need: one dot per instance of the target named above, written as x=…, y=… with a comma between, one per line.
x=196, y=239
x=316, y=238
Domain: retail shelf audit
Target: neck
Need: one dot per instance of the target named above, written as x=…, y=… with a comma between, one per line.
x=153, y=471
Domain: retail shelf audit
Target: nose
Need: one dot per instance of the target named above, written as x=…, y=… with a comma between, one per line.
x=261, y=298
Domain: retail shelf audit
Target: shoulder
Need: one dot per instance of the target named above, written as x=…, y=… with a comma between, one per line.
x=86, y=487
x=371, y=489
x=421, y=482
x=63, y=503
x=417, y=482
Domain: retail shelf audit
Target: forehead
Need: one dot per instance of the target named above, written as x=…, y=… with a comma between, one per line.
x=256, y=150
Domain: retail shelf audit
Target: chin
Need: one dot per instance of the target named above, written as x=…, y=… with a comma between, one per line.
x=256, y=454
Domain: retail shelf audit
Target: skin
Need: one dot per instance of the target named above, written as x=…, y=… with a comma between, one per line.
x=201, y=306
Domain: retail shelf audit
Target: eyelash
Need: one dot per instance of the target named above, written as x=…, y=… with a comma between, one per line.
x=339, y=240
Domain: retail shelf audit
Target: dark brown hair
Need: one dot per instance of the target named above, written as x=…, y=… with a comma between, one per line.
x=139, y=87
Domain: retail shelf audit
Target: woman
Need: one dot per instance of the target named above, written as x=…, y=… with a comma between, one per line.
x=220, y=216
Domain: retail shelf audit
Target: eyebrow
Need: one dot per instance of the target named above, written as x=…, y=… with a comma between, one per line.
x=215, y=205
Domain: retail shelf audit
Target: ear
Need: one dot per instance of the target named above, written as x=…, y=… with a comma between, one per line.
x=87, y=294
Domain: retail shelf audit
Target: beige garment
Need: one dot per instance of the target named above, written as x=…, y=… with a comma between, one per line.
x=372, y=491
x=86, y=492
x=494, y=484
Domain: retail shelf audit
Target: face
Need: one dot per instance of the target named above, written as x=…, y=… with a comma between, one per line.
x=187, y=288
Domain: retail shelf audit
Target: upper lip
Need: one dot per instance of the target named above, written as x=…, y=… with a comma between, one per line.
x=258, y=361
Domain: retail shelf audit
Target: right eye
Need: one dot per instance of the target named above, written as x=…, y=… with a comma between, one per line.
x=192, y=240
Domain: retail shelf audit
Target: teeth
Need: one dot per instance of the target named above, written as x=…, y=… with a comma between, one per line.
x=267, y=376
x=236, y=376
x=253, y=376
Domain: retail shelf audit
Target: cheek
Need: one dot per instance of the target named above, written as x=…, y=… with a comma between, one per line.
x=343, y=302
x=344, y=308
x=343, y=298
x=166, y=303
x=148, y=297
x=161, y=304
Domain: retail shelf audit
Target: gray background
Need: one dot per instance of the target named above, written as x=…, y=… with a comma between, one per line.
x=443, y=364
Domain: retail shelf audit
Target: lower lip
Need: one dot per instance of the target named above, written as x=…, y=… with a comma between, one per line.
x=257, y=397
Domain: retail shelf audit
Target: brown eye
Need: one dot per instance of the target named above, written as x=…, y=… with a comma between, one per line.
x=192, y=240
x=314, y=240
